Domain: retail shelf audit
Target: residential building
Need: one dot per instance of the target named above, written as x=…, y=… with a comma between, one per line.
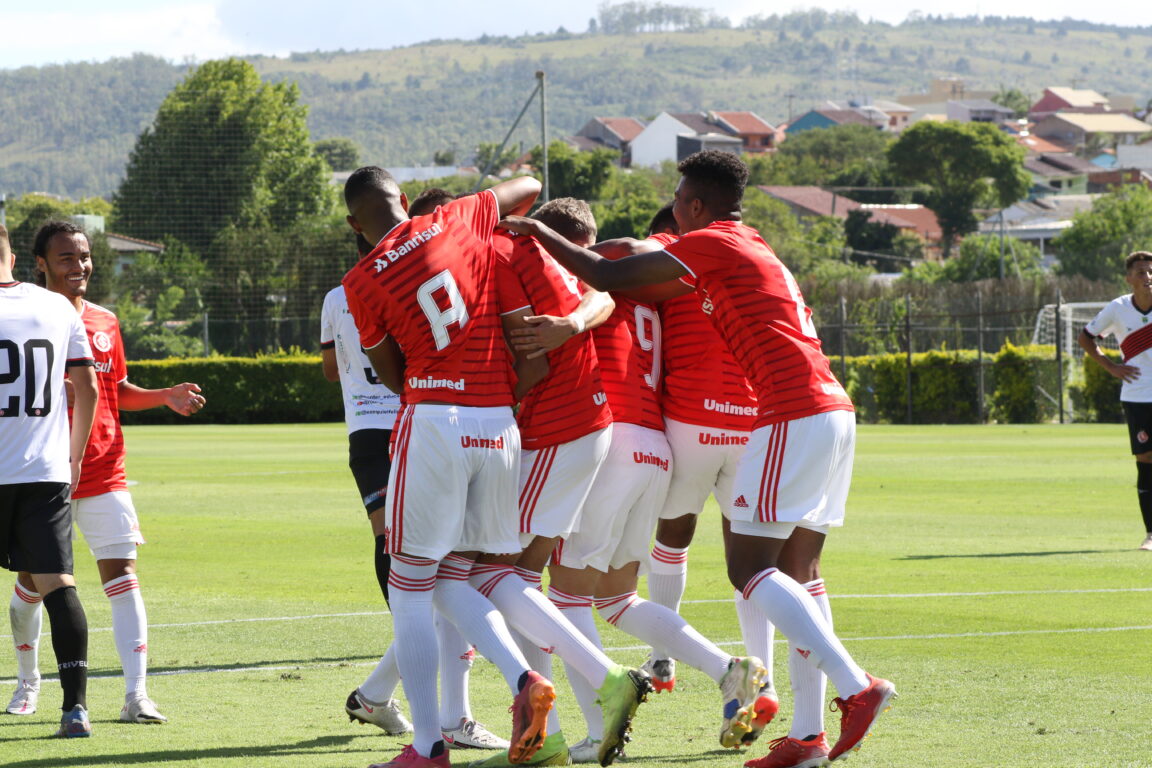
x=977, y=111
x=1058, y=173
x=827, y=117
x=1058, y=99
x=612, y=133
x=1077, y=129
x=1038, y=221
x=660, y=140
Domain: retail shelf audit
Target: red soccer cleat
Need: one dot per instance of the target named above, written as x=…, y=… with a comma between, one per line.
x=787, y=752
x=530, y=717
x=858, y=714
x=410, y=758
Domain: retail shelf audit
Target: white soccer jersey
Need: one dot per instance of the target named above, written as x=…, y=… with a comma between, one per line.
x=1133, y=330
x=368, y=404
x=40, y=335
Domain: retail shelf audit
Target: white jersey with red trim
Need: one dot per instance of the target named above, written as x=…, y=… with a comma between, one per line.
x=1133, y=330
x=40, y=335
x=368, y=404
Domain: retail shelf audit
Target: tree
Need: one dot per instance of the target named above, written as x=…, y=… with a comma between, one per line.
x=341, y=154
x=488, y=160
x=1098, y=240
x=572, y=173
x=224, y=150
x=1014, y=99
x=962, y=164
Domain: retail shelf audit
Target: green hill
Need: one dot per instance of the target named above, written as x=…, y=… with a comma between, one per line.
x=68, y=129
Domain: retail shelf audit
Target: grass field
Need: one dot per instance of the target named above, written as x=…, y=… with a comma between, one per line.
x=991, y=572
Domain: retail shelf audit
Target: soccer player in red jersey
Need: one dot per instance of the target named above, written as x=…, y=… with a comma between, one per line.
x=793, y=478
x=41, y=459
x=101, y=504
x=708, y=411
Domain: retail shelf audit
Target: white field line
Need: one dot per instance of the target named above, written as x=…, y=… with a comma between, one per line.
x=888, y=638
x=618, y=648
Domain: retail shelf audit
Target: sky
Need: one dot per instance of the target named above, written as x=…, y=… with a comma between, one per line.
x=180, y=30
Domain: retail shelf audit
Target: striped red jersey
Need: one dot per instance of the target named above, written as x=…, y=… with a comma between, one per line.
x=703, y=383
x=430, y=283
x=628, y=349
x=103, y=468
x=756, y=307
x=570, y=401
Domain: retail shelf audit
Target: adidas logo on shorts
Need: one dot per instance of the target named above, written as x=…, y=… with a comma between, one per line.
x=740, y=502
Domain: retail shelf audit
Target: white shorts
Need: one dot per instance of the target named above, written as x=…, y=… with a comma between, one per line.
x=453, y=481
x=705, y=461
x=554, y=482
x=620, y=514
x=109, y=525
x=795, y=472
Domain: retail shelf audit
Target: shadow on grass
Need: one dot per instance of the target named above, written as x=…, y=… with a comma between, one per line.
x=150, y=758
x=1012, y=554
x=257, y=665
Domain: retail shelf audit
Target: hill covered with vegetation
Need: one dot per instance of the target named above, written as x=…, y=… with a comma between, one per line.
x=68, y=129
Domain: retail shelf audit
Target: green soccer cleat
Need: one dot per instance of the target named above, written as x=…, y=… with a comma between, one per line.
x=623, y=691
x=740, y=690
x=554, y=751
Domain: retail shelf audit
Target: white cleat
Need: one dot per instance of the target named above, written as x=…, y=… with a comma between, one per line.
x=141, y=709
x=587, y=750
x=1146, y=546
x=386, y=716
x=25, y=698
x=472, y=734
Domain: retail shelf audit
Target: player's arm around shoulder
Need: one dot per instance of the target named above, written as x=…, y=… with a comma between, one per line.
x=185, y=398
x=531, y=366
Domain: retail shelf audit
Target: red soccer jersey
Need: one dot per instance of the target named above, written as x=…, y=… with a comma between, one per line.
x=570, y=401
x=755, y=305
x=703, y=383
x=628, y=349
x=103, y=468
x=430, y=284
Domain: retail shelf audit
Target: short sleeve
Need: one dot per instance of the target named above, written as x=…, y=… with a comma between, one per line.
x=372, y=327
x=327, y=322
x=79, y=350
x=479, y=212
x=699, y=252
x=1102, y=324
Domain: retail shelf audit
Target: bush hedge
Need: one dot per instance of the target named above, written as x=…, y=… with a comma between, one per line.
x=1101, y=391
x=292, y=388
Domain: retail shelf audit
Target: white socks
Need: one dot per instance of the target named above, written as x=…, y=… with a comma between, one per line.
x=653, y=623
x=578, y=610
x=381, y=683
x=809, y=684
x=667, y=575
x=410, y=584
x=789, y=606
x=530, y=613
x=456, y=656
x=757, y=631
x=26, y=619
x=130, y=630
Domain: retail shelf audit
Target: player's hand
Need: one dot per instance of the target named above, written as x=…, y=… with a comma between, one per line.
x=185, y=399
x=518, y=224
x=548, y=332
x=1124, y=372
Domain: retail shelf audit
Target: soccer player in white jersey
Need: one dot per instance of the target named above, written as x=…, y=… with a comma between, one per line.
x=793, y=478
x=370, y=410
x=101, y=504
x=1129, y=319
x=40, y=337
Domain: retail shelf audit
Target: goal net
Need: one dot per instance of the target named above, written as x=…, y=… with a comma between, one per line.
x=1073, y=317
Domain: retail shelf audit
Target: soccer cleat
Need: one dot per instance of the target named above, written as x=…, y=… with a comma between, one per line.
x=530, y=717
x=858, y=714
x=621, y=694
x=764, y=710
x=1147, y=544
x=472, y=734
x=662, y=673
x=554, y=751
x=25, y=698
x=786, y=752
x=740, y=691
x=587, y=750
x=410, y=758
x=74, y=724
x=141, y=709
x=386, y=716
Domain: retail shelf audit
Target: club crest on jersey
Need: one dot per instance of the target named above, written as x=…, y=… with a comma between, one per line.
x=102, y=341
x=1141, y=436
x=418, y=239
x=493, y=444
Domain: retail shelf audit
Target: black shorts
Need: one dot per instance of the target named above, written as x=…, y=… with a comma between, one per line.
x=1139, y=417
x=36, y=527
x=370, y=464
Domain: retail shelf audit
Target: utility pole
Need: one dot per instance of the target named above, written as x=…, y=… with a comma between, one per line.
x=543, y=132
